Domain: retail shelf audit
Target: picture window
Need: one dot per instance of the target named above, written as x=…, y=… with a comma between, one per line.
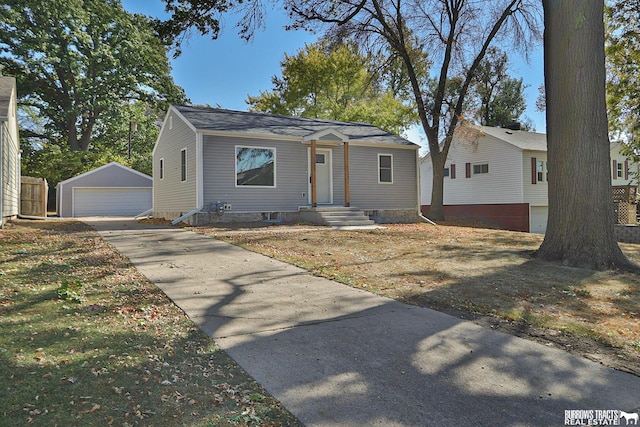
x=255, y=167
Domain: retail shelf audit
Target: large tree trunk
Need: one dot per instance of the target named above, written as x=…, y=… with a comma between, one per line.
x=436, y=210
x=580, y=230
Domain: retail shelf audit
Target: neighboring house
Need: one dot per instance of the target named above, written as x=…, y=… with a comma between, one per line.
x=499, y=175
x=211, y=165
x=9, y=151
x=110, y=190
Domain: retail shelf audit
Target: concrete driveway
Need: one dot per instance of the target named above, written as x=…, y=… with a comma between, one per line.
x=338, y=356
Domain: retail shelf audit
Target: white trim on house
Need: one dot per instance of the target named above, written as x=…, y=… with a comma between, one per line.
x=184, y=176
x=103, y=167
x=199, y=172
x=390, y=168
x=320, y=134
x=325, y=151
x=275, y=166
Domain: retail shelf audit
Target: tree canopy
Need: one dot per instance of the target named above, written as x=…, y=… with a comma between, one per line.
x=623, y=71
x=82, y=66
x=496, y=98
x=205, y=17
x=454, y=34
x=334, y=82
x=438, y=45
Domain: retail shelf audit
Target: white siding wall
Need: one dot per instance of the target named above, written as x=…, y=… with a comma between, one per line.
x=10, y=161
x=503, y=183
x=628, y=177
x=170, y=194
x=535, y=194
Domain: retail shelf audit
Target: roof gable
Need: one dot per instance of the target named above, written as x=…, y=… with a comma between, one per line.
x=7, y=90
x=521, y=139
x=215, y=120
x=102, y=168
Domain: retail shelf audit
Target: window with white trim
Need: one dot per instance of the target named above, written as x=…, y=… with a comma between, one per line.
x=183, y=164
x=620, y=169
x=255, y=166
x=480, y=168
x=542, y=171
x=385, y=168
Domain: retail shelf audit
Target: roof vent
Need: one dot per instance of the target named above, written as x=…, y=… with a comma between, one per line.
x=512, y=126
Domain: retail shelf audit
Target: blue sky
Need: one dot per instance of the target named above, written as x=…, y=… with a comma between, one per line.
x=225, y=71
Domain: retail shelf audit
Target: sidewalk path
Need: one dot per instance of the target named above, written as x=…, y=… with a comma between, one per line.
x=338, y=356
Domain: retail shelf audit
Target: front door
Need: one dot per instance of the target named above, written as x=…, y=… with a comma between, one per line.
x=324, y=178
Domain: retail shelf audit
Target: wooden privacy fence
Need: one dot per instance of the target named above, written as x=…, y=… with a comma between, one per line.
x=33, y=196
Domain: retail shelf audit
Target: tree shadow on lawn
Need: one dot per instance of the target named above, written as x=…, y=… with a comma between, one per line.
x=393, y=364
x=592, y=314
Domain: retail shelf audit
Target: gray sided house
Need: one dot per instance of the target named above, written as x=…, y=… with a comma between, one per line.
x=109, y=190
x=9, y=151
x=212, y=165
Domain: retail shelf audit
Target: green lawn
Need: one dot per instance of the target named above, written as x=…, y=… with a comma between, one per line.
x=85, y=340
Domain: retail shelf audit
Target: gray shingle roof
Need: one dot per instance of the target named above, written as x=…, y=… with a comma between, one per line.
x=519, y=138
x=220, y=120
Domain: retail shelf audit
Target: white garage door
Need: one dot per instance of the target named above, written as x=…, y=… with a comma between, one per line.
x=110, y=201
x=538, y=219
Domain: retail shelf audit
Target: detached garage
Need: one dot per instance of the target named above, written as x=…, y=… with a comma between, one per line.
x=110, y=190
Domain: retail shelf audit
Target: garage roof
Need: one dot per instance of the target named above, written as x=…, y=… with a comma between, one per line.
x=107, y=166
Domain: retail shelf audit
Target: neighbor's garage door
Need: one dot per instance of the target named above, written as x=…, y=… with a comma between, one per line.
x=538, y=219
x=110, y=201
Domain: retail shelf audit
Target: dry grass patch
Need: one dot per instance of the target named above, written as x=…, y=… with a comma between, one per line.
x=485, y=274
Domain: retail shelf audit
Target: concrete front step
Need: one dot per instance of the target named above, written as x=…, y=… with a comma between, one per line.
x=336, y=216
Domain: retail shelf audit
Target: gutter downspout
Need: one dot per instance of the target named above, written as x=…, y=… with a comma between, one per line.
x=185, y=216
x=144, y=214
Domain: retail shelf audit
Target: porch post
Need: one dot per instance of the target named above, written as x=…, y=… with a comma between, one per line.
x=314, y=192
x=347, y=185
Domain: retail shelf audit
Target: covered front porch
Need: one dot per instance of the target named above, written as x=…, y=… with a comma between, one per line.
x=323, y=166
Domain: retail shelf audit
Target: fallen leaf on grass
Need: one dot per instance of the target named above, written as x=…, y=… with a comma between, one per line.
x=94, y=408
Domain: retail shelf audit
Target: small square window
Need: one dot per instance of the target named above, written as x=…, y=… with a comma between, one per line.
x=321, y=159
x=446, y=172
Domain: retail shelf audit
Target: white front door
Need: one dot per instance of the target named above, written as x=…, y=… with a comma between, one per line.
x=324, y=177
